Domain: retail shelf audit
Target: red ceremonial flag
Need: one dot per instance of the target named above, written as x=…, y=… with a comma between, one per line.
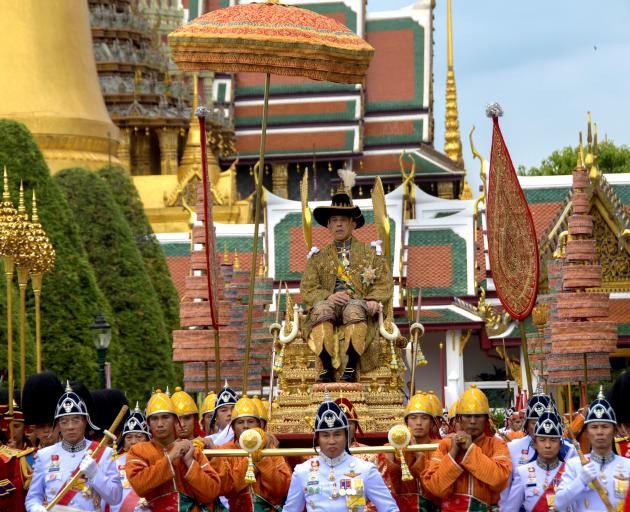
x=512, y=245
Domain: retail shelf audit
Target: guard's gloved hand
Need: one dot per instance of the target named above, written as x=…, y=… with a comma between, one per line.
x=589, y=473
x=88, y=466
x=39, y=508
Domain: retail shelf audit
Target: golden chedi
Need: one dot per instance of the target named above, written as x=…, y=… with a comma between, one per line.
x=51, y=85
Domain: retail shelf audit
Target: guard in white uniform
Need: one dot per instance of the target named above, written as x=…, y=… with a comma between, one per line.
x=335, y=481
x=522, y=451
x=576, y=488
x=535, y=483
x=99, y=484
x=135, y=430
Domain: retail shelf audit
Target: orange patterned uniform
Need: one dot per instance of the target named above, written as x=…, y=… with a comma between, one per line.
x=152, y=476
x=272, y=480
x=479, y=474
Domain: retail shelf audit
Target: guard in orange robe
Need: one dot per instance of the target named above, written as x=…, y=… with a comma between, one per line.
x=273, y=474
x=470, y=467
x=172, y=474
x=421, y=417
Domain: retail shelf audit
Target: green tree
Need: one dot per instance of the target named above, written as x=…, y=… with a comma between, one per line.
x=71, y=297
x=612, y=159
x=143, y=343
x=128, y=200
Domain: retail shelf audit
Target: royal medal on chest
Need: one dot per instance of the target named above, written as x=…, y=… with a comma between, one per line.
x=531, y=477
x=524, y=457
x=620, y=482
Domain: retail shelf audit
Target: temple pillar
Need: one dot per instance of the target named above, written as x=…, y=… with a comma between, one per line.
x=280, y=180
x=142, y=157
x=124, y=148
x=168, y=138
x=454, y=367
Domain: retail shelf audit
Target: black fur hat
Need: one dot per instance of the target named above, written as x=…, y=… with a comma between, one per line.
x=39, y=398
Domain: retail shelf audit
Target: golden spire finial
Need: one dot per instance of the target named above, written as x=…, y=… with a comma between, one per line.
x=21, y=206
x=6, y=196
x=237, y=264
x=261, y=267
x=195, y=93
x=588, y=158
x=35, y=214
x=452, y=139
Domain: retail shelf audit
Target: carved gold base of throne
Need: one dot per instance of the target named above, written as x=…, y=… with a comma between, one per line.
x=377, y=396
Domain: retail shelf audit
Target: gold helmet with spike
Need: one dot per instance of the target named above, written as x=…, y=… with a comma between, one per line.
x=159, y=403
x=473, y=401
x=436, y=403
x=418, y=404
x=209, y=403
x=245, y=407
x=263, y=412
x=183, y=402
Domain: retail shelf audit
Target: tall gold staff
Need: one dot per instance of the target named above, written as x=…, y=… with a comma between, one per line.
x=24, y=261
x=44, y=262
x=11, y=232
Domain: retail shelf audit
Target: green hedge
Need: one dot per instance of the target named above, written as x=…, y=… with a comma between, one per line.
x=128, y=200
x=71, y=297
x=141, y=357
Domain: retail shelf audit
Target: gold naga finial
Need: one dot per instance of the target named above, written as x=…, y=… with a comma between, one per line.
x=594, y=173
x=588, y=160
x=452, y=139
x=482, y=173
x=580, y=157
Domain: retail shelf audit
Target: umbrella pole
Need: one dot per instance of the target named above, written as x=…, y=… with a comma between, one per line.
x=201, y=114
x=528, y=371
x=259, y=190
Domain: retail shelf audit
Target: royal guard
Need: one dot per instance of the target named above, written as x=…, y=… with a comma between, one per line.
x=471, y=466
x=16, y=459
x=206, y=413
x=272, y=473
x=577, y=486
x=171, y=474
x=39, y=401
x=535, y=483
x=222, y=417
x=421, y=416
x=523, y=450
x=343, y=285
x=187, y=411
x=335, y=481
x=514, y=423
x=98, y=487
x=135, y=430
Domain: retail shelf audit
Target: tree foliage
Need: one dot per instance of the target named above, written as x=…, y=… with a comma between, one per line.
x=143, y=346
x=611, y=159
x=71, y=297
x=128, y=200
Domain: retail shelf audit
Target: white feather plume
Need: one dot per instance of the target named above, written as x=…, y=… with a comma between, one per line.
x=348, y=178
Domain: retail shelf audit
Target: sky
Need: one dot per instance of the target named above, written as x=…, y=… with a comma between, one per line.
x=547, y=62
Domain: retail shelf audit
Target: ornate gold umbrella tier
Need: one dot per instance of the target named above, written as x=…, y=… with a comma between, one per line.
x=271, y=38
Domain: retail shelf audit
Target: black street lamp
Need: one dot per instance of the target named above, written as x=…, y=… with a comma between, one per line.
x=102, y=335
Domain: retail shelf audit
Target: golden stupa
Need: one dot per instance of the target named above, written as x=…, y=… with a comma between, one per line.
x=50, y=83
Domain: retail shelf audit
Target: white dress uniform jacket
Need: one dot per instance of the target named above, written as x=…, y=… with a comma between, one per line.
x=342, y=484
x=529, y=485
x=53, y=467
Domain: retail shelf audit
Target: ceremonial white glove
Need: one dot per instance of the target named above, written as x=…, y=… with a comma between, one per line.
x=88, y=466
x=589, y=473
x=38, y=508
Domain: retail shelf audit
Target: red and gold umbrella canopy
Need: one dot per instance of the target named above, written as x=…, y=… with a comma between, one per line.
x=271, y=38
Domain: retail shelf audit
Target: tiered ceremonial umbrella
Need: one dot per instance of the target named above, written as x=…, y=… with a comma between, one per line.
x=270, y=38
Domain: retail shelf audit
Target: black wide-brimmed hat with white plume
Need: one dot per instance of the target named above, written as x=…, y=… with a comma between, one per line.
x=341, y=202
